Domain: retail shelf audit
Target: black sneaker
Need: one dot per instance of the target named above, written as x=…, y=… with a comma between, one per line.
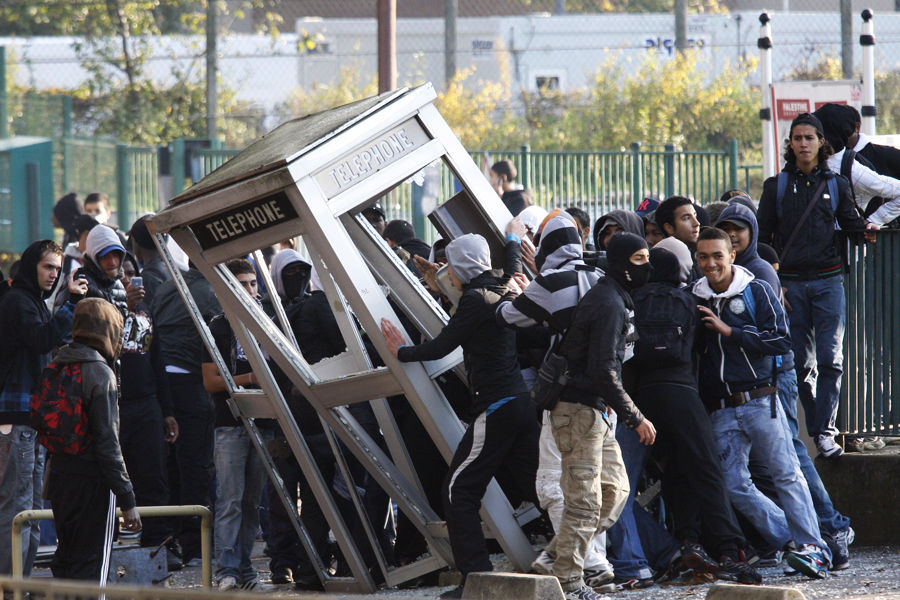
x=281, y=575
x=739, y=572
x=696, y=558
x=454, y=593
x=673, y=572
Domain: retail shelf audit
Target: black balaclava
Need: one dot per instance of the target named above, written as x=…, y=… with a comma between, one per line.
x=618, y=254
x=296, y=283
x=666, y=268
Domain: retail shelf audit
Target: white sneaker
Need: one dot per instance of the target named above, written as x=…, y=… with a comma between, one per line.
x=255, y=585
x=827, y=447
x=543, y=564
x=227, y=583
x=601, y=579
x=583, y=593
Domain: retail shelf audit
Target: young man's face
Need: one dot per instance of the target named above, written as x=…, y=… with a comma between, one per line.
x=641, y=257
x=97, y=210
x=248, y=281
x=110, y=263
x=685, y=226
x=48, y=270
x=128, y=272
x=715, y=258
x=805, y=142
x=609, y=231
x=740, y=236
x=653, y=234
x=377, y=221
x=497, y=180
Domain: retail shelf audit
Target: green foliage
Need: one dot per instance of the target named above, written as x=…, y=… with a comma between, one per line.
x=887, y=99
x=652, y=101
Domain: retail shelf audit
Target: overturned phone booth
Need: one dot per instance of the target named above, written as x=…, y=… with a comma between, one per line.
x=312, y=177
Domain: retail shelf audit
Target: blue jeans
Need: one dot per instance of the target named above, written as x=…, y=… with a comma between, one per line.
x=739, y=429
x=21, y=475
x=637, y=539
x=240, y=475
x=817, y=331
x=830, y=520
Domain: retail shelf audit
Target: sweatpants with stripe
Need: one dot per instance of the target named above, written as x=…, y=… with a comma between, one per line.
x=502, y=442
x=81, y=511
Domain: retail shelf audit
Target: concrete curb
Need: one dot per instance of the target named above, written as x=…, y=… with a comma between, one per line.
x=503, y=586
x=725, y=591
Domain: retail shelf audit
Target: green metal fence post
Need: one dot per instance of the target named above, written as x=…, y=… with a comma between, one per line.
x=176, y=164
x=525, y=167
x=669, y=170
x=67, y=115
x=733, y=166
x=4, y=131
x=636, y=174
x=123, y=187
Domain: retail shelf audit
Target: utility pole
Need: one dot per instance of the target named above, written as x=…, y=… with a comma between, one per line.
x=559, y=7
x=846, y=39
x=451, y=11
x=211, y=71
x=681, y=25
x=387, y=45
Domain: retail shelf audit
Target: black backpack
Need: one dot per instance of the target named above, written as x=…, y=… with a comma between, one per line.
x=665, y=318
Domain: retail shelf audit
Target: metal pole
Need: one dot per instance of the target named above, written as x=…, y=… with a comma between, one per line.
x=387, y=45
x=847, y=39
x=451, y=11
x=211, y=70
x=681, y=25
x=867, y=41
x=4, y=132
x=764, y=43
x=559, y=7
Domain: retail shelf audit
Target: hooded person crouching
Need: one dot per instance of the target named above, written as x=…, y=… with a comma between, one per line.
x=84, y=488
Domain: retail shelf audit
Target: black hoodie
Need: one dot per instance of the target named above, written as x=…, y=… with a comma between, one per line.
x=27, y=335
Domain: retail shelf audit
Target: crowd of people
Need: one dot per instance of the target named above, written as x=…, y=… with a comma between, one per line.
x=668, y=343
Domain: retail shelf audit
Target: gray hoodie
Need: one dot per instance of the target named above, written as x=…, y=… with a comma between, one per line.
x=469, y=256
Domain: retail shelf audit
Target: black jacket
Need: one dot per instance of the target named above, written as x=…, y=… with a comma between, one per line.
x=103, y=460
x=155, y=274
x=817, y=245
x=595, y=349
x=99, y=286
x=180, y=342
x=489, y=348
x=27, y=336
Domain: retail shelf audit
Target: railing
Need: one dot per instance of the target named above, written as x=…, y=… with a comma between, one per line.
x=137, y=175
x=206, y=547
x=872, y=338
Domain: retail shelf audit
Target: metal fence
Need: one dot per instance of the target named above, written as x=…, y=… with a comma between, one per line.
x=872, y=338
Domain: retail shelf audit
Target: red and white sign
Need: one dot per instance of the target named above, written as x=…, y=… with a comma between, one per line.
x=792, y=98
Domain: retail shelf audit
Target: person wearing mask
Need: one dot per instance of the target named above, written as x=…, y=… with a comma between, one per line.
x=153, y=269
x=28, y=334
x=594, y=482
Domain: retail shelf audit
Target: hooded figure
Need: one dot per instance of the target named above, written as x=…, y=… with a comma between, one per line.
x=666, y=267
x=838, y=123
x=294, y=284
x=532, y=217
x=682, y=253
x=626, y=220
x=551, y=297
x=84, y=488
x=101, y=240
x=65, y=211
x=743, y=217
x=619, y=251
x=469, y=256
x=559, y=243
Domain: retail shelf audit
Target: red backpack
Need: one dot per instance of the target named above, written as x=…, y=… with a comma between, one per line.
x=58, y=411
